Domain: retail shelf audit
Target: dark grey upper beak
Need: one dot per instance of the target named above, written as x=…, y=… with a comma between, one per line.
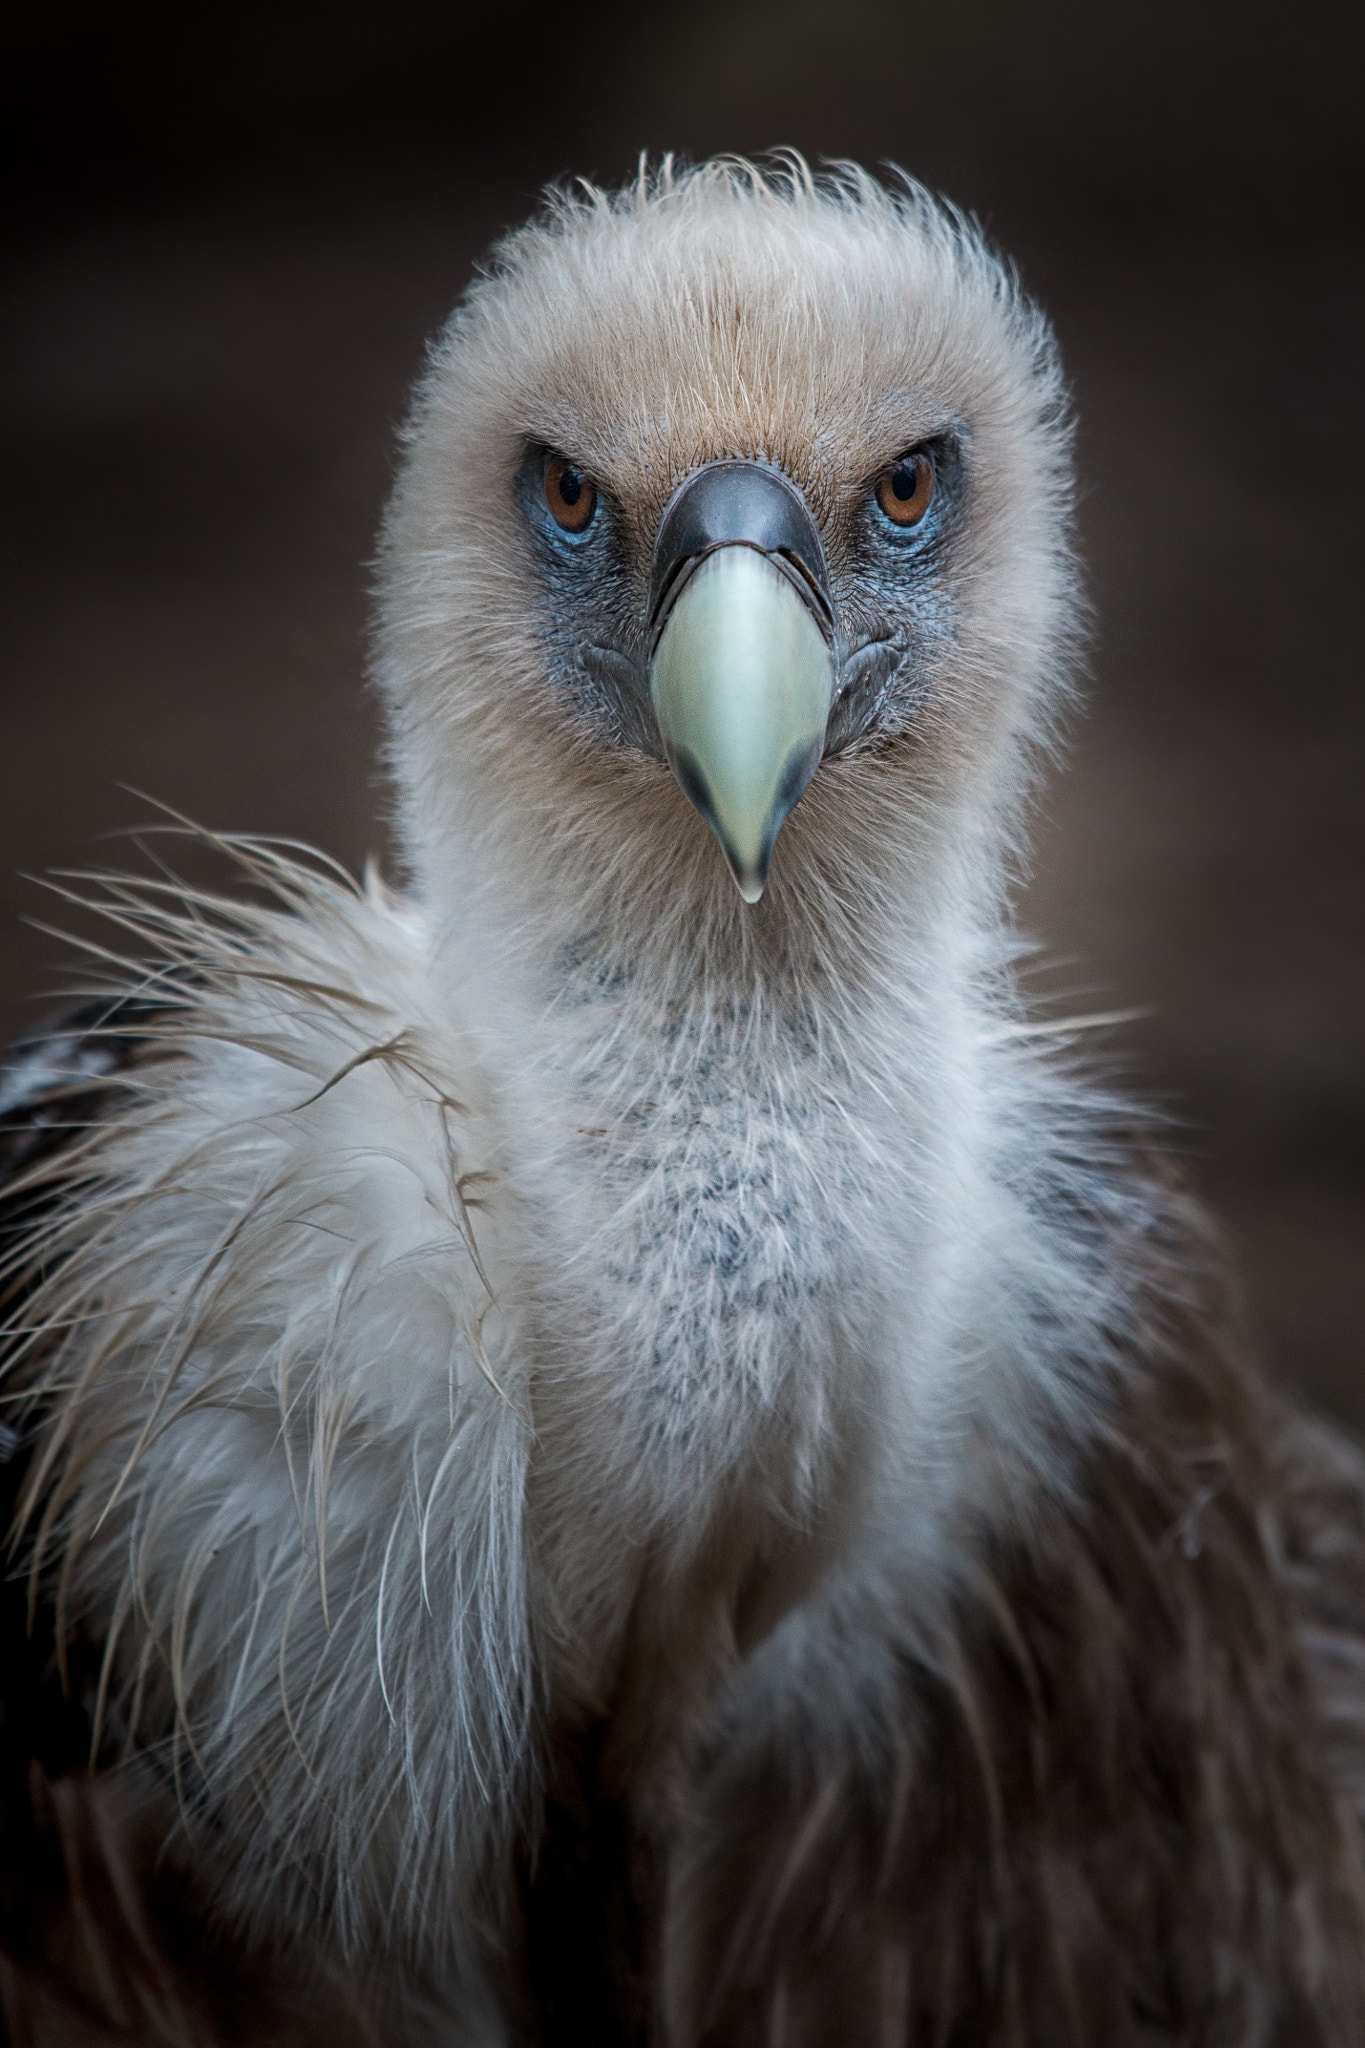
x=737, y=504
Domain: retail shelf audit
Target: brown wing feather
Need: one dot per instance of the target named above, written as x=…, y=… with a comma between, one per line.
x=1116, y=1803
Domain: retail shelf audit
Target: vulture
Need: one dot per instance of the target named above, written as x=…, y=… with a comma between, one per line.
x=617, y=1444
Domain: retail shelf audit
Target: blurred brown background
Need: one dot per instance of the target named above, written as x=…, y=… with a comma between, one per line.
x=232, y=228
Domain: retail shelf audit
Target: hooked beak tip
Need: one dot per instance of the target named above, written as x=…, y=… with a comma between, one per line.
x=749, y=868
x=749, y=882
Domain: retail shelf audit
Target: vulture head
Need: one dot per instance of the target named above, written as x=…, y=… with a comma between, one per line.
x=725, y=584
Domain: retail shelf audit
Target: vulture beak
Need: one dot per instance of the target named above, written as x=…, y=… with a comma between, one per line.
x=741, y=654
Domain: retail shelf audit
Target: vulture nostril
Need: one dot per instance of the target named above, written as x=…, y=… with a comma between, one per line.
x=863, y=673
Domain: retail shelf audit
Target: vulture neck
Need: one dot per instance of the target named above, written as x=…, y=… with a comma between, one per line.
x=765, y=1151
x=862, y=964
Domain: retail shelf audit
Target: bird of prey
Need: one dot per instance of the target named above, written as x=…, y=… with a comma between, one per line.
x=616, y=1445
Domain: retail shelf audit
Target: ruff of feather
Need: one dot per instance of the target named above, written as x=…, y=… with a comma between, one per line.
x=281, y=1436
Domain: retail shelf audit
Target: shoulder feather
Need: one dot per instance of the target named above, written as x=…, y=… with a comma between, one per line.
x=274, y=1391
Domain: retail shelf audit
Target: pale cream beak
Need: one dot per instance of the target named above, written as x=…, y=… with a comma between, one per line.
x=742, y=682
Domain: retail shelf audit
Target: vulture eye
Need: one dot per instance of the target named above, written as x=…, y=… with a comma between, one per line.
x=571, y=496
x=905, y=491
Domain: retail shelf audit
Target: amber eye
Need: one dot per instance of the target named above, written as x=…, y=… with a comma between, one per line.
x=571, y=496
x=905, y=490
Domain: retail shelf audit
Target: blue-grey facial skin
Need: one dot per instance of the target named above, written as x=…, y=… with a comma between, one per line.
x=893, y=600
x=892, y=589
x=596, y=631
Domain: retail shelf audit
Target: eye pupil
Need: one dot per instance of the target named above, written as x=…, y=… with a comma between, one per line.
x=570, y=486
x=904, y=480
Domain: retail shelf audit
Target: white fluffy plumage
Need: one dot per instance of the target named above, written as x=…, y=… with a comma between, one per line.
x=559, y=1292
